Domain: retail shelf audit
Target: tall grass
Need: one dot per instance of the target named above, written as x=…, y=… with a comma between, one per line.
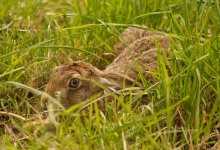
x=183, y=109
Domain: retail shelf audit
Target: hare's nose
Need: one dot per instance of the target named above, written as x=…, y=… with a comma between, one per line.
x=44, y=102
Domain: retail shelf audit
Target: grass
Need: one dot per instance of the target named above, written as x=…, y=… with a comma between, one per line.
x=183, y=112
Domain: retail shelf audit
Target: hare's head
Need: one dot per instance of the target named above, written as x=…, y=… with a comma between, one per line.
x=76, y=82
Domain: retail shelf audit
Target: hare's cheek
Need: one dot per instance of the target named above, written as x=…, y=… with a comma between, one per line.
x=65, y=104
x=76, y=96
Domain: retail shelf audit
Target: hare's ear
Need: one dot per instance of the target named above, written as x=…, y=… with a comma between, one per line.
x=111, y=83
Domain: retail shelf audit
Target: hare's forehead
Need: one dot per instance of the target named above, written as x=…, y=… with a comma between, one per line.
x=68, y=68
x=67, y=72
x=61, y=75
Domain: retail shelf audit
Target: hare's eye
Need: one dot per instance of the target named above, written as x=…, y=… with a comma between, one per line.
x=74, y=82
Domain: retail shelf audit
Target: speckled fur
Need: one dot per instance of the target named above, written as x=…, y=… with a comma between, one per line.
x=139, y=49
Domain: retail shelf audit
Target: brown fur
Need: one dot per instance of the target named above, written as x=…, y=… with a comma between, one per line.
x=141, y=51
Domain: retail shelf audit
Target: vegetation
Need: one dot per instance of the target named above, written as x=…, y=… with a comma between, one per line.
x=183, y=112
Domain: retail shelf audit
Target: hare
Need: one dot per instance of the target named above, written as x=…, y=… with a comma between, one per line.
x=77, y=81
